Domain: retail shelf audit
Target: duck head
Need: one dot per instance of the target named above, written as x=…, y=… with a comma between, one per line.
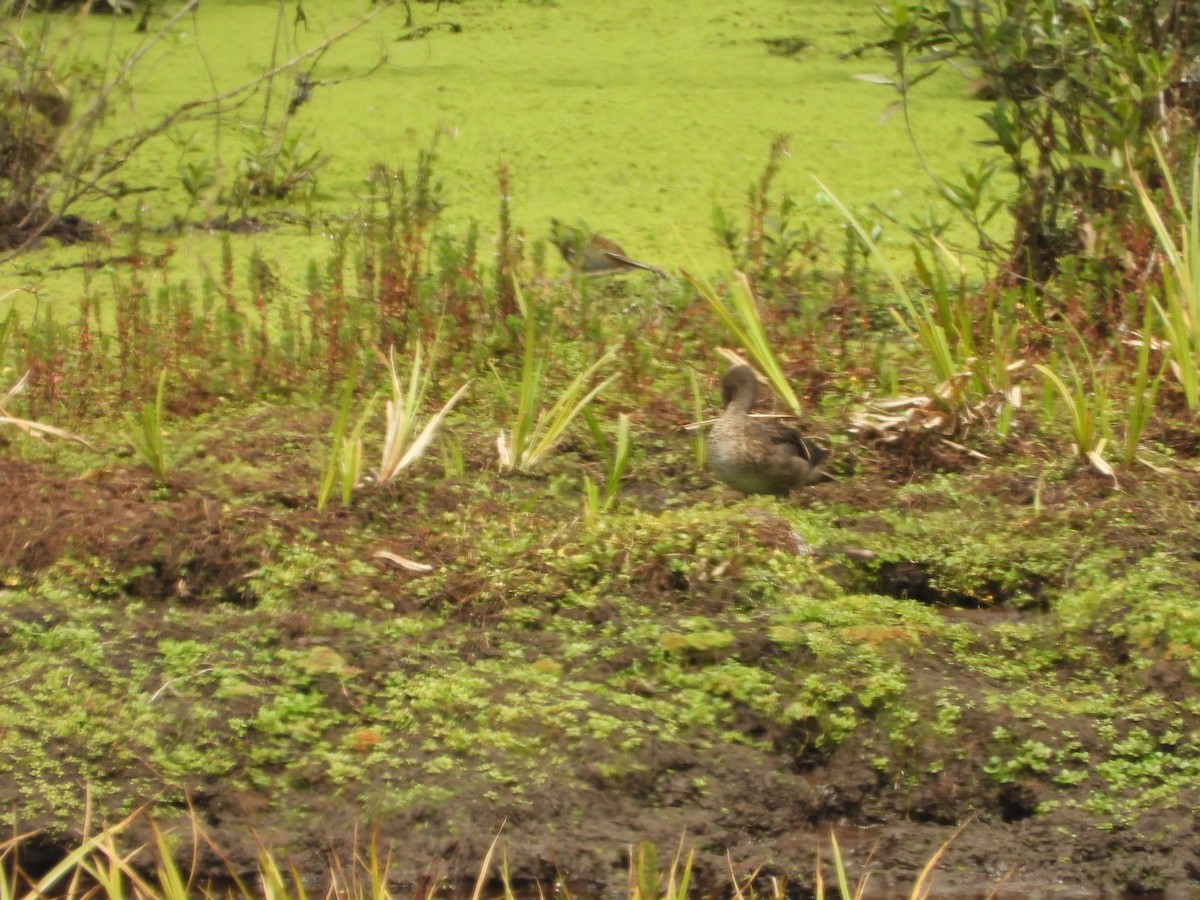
x=739, y=389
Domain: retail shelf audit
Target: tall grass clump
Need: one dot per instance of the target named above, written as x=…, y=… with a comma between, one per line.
x=1179, y=313
x=969, y=365
x=404, y=439
x=104, y=866
x=647, y=882
x=403, y=444
x=931, y=330
x=1086, y=402
x=537, y=428
x=1143, y=394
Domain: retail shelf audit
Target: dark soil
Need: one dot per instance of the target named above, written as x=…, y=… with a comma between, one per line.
x=162, y=560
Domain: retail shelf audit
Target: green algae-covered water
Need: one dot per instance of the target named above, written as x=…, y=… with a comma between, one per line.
x=632, y=118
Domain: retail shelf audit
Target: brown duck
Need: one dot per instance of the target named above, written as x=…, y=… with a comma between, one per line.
x=759, y=456
x=594, y=254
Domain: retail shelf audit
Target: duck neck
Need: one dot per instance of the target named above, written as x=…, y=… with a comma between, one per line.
x=742, y=400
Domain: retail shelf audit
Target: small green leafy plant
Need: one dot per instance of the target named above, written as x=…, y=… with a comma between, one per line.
x=646, y=882
x=343, y=466
x=146, y=431
x=617, y=462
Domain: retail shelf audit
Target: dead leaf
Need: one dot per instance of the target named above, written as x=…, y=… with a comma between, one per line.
x=402, y=562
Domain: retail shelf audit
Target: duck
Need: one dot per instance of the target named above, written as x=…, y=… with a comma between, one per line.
x=593, y=254
x=759, y=456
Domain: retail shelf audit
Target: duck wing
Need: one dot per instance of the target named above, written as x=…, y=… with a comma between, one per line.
x=789, y=439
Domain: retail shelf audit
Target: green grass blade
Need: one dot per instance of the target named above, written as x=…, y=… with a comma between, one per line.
x=481, y=880
x=620, y=460
x=920, y=324
x=145, y=431
x=699, y=446
x=593, y=425
x=839, y=868
x=170, y=880
x=530, y=387
x=1181, y=277
x=333, y=462
x=591, y=498
x=1078, y=407
x=742, y=320
x=46, y=884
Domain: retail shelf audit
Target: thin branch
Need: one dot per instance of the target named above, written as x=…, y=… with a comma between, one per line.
x=120, y=149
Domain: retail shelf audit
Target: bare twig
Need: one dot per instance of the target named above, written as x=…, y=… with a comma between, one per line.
x=71, y=184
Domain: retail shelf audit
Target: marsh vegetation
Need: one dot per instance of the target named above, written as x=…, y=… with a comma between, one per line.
x=344, y=524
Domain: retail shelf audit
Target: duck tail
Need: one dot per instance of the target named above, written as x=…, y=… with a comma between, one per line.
x=814, y=452
x=626, y=261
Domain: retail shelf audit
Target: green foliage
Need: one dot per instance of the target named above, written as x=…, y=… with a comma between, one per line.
x=43, y=70
x=508, y=254
x=273, y=167
x=1069, y=86
x=412, y=202
x=933, y=330
x=646, y=632
x=774, y=248
x=5, y=328
x=1142, y=395
x=197, y=175
x=667, y=627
